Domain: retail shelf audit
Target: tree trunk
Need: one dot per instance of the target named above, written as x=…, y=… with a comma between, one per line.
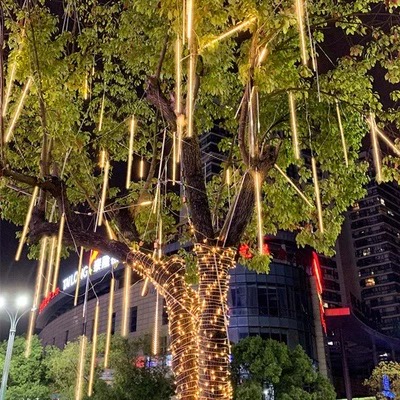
x=214, y=264
x=182, y=308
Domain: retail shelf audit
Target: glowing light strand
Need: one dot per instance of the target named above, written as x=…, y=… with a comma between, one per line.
x=156, y=325
x=130, y=152
x=27, y=221
x=145, y=287
x=50, y=264
x=81, y=368
x=257, y=189
x=18, y=110
x=36, y=298
x=387, y=141
x=79, y=276
x=58, y=252
x=375, y=149
x=317, y=194
x=94, y=349
x=102, y=112
x=191, y=86
x=109, y=324
x=299, y=6
x=293, y=124
x=178, y=103
x=9, y=87
x=346, y=159
x=300, y=193
x=104, y=192
x=126, y=301
x=230, y=32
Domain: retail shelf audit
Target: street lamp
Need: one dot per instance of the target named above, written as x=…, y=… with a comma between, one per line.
x=15, y=315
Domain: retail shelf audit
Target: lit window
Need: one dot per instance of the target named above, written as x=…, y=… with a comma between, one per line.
x=390, y=212
x=366, y=252
x=382, y=201
x=370, y=282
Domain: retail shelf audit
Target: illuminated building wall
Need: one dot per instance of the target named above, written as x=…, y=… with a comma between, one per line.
x=275, y=305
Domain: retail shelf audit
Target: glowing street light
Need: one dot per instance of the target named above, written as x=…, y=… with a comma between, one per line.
x=15, y=314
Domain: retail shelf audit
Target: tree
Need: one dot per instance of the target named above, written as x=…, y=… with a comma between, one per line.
x=27, y=378
x=99, y=63
x=129, y=381
x=375, y=381
x=261, y=363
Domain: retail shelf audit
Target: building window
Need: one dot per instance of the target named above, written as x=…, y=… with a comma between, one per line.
x=133, y=324
x=113, y=324
x=164, y=345
x=66, y=337
x=54, y=341
x=370, y=282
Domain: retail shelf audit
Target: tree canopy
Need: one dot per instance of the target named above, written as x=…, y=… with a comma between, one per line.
x=258, y=363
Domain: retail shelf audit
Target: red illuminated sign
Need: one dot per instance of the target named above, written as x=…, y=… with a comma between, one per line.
x=318, y=281
x=47, y=299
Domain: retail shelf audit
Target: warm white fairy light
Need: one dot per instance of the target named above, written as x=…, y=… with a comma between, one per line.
x=130, y=152
x=317, y=194
x=126, y=301
x=27, y=221
x=375, y=149
x=382, y=135
x=190, y=95
x=156, y=326
x=228, y=176
x=9, y=87
x=80, y=262
x=18, y=110
x=104, y=192
x=299, y=192
x=50, y=264
x=257, y=193
x=230, y=32
x=109, y=324
x=36, y=297
x=81, y=368
x=299, y=6
x=94, y=349
x=102, y=112
x=293, y=124
x=346, y=159
x=58, y=252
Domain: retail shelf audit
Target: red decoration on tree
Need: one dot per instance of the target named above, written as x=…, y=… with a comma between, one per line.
x=244, y=251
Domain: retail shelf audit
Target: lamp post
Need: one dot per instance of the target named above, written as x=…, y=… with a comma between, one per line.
x=15, y=316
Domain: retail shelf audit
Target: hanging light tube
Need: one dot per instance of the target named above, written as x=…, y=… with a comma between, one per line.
x=257, y=188
x=102, y=112
x=36, y=298
x=9, y=87
x=81, y=368
x=126, y=301
x=191, y=85
x=130, y=152
x=109, y=324
x=375, y=149
x=27, y=221
x=156, y=325
x=299, y=6
x=50, y=264
x=145, y=286
x=317, y=194
x=346, y=160
x=387, y=141
x=293, y=124
x=104, y=192
x=94, y=349
x=59, y=248
x=18, y=111
x=79, y=276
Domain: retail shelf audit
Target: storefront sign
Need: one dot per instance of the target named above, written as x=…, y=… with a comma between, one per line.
x=47, y=299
